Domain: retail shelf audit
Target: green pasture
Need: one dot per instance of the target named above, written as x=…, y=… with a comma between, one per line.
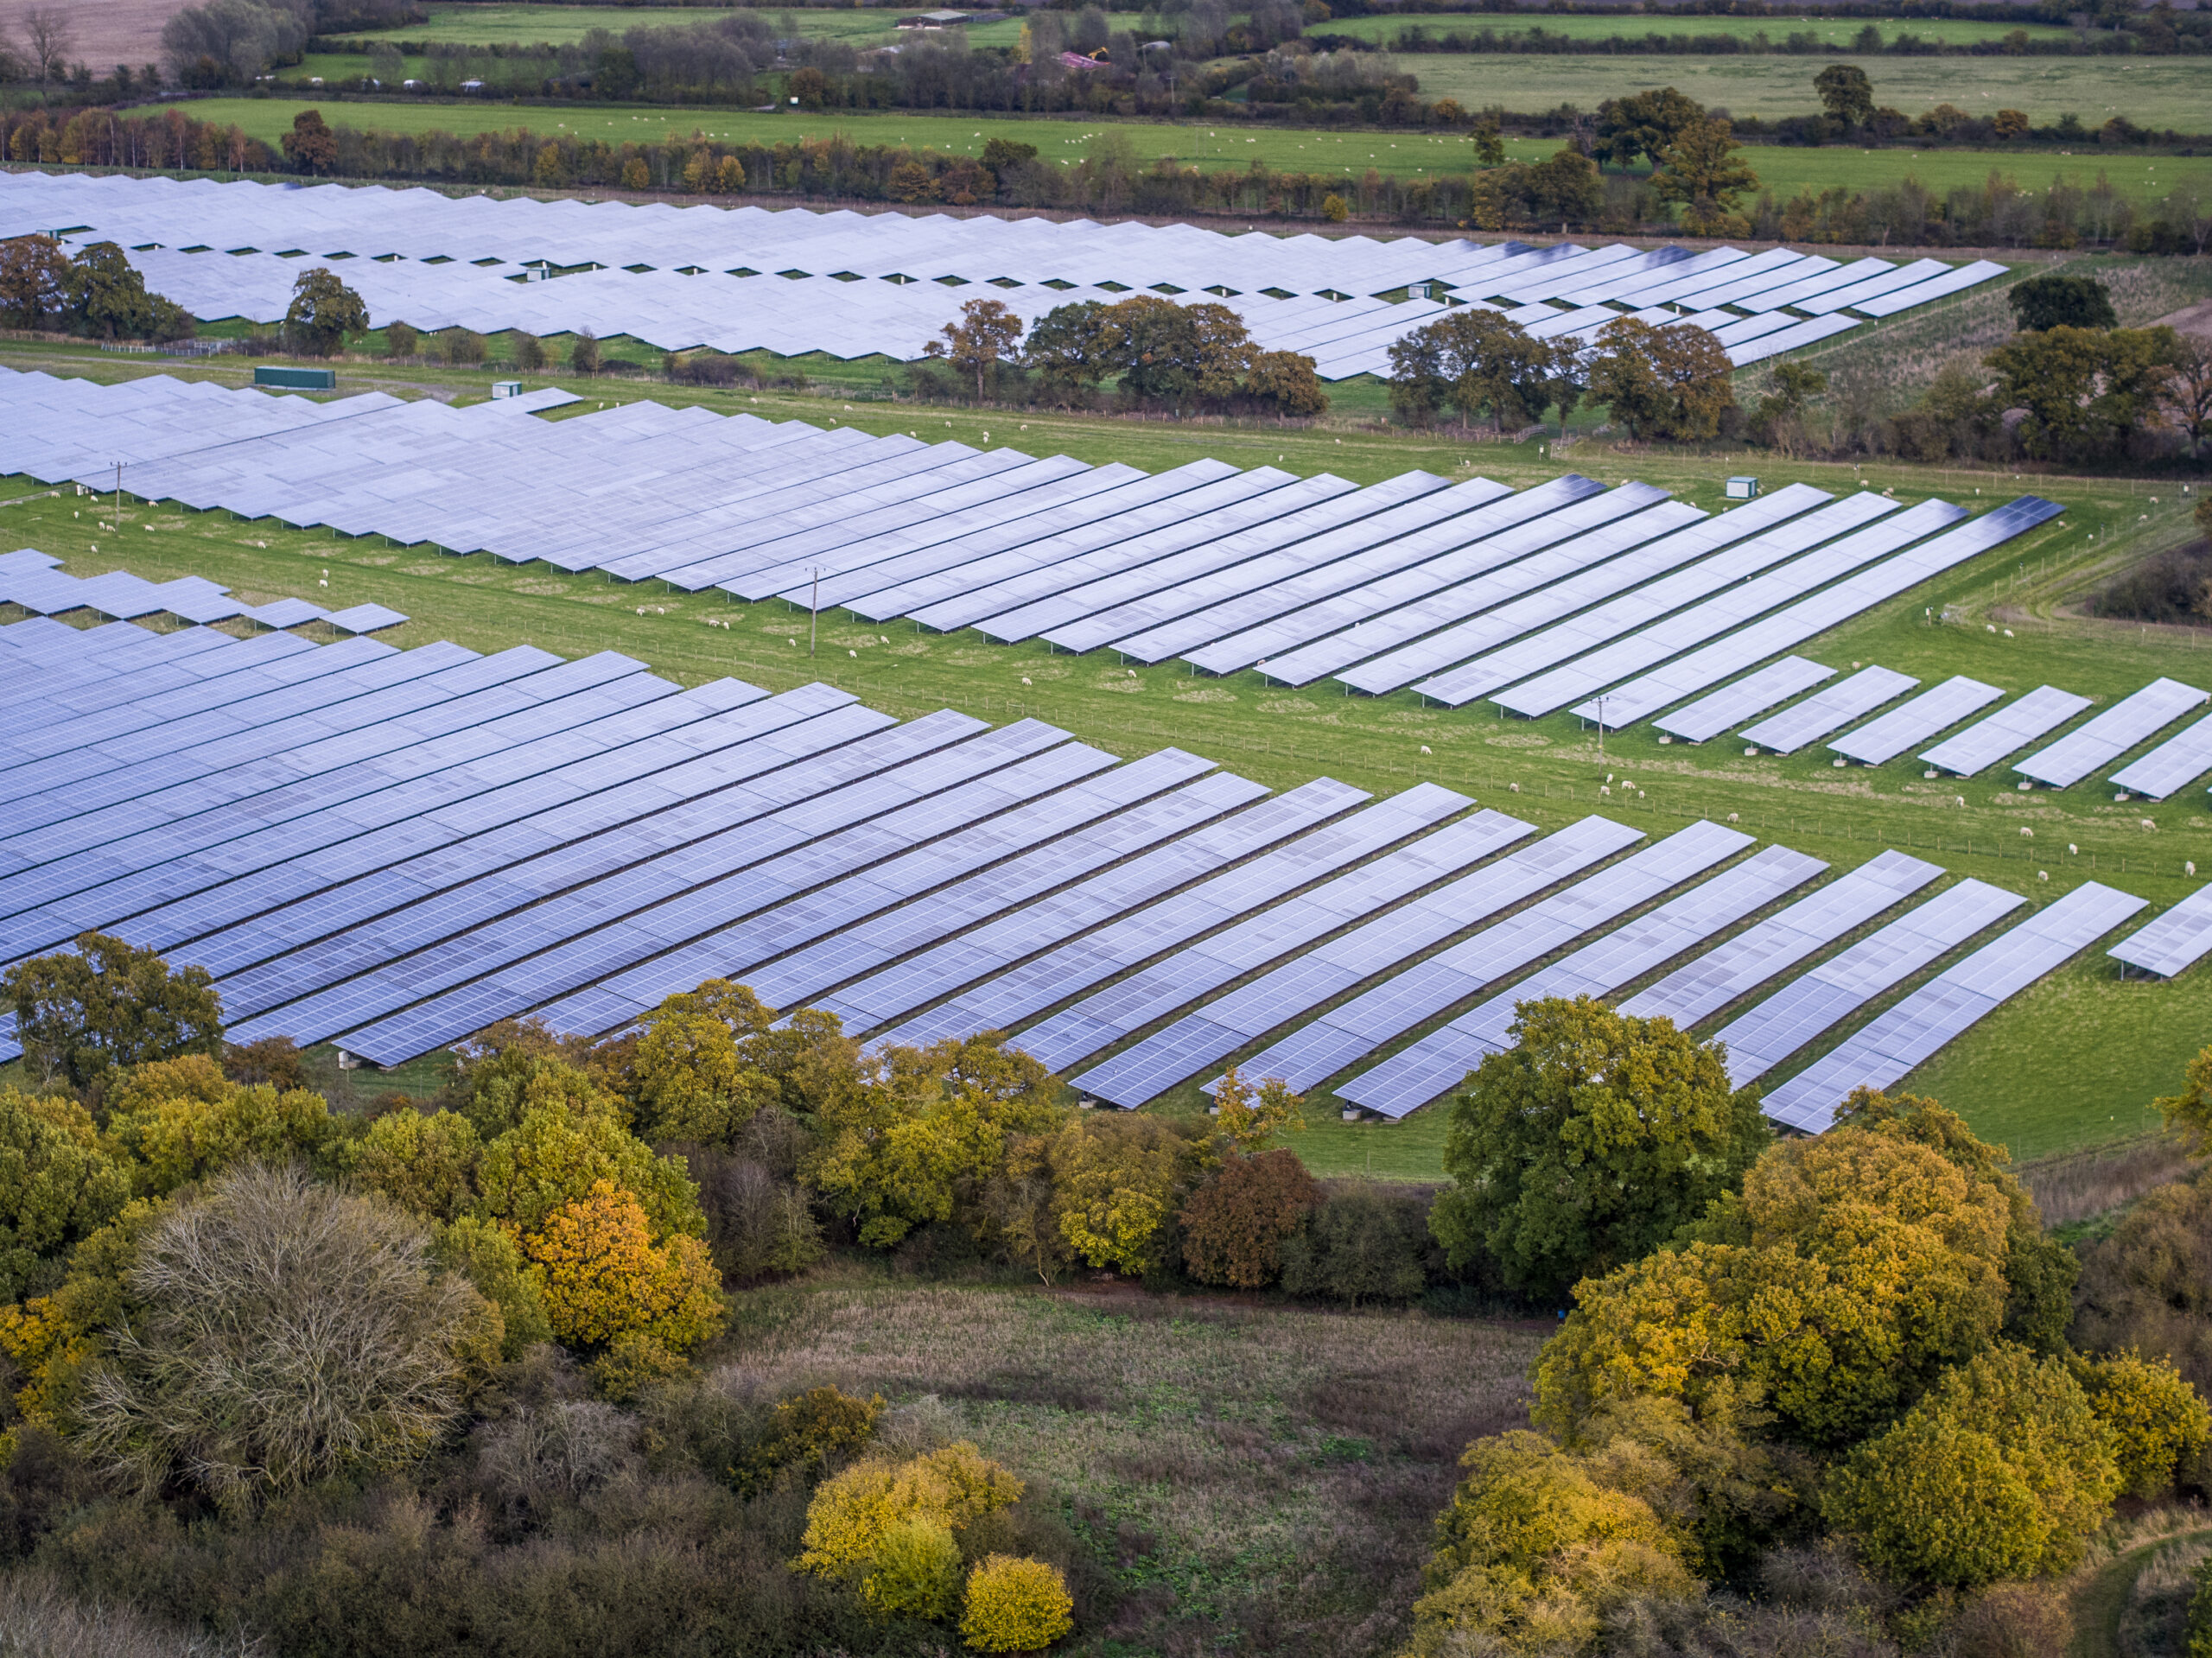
x=2146, y=179
x=537, y=25
x=2156, y=92
x=1839, y=32
x=2074, y=1063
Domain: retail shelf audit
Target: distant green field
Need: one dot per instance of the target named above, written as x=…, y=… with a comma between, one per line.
x=2156, y=92
x=535, y=25
x=1835, y=31
x=1783, y=169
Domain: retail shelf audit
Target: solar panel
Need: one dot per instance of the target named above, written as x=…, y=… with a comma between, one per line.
x=1753, y=694
x=1822, y=610
x=1925, y=1021
x=2173, y=764
x=1432, y=1066
x=1823, y=998
x=1915, y=722
x=1126, y=1007
x=2172, y=944
x=1987, y=741
x=1704, y=987
x=2111, y=733
x=1829, y=711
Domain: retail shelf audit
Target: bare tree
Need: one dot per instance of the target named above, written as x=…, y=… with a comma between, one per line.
x=50, y=34
x=286, y=1331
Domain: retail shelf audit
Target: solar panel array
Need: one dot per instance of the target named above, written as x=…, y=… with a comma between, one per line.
x=1733, y=704
x=1381, y=586
x=1923, y=1022
x=2096, y=743
x=391, y=849
x=1938, y=709
x=748, y=278
x=2175, y=942
x=1829, y=710
x=26, y=580
x=1984, y=743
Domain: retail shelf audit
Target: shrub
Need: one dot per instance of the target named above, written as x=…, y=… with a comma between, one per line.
x=1363, y=1244
x=57, y=1188
x=851, y=1511
x=1234, y=1224
x=559, y=1150
x=583, y=351
x=488, y=1256
x=807, y=1431
x=2200, y=1614
x=917, y=1570
x=274, y=1060
x=633, y=1362
x=756, y=1224
x=2149, y=1286
x=1015, y=1605
x=529, y=352
x=401, y=340
x=266, y=1281
x=464, y=347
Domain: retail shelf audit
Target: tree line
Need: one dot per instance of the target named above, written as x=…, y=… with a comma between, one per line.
x=1801, y=1388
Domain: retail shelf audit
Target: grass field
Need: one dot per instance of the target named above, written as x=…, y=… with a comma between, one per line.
x=533, y=25
x=2157, y=92
x=1255, y=1474
x=1837, y=32
x=1783, y=169
x=2031, y=1078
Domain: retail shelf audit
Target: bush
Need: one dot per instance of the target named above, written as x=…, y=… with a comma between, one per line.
x=1015, y=1606
x=1234, y=1224
x=2148, y=1286
x=401, y=341
x=917, y=1570
x=266, y=1280
x=756, y=1224
x=464, y=347
x=2159, y=1420
x=489, y=1258
x=2200, y=1614
x=852, y=1511
x=583, y=351
x=1365, y=1244
x=529, y=352
x=2172, y=587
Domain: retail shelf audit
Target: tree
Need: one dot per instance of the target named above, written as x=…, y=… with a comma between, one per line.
x=558, y=1152
x=1779, y=413
x=464, y=347
x=49, y=35
x=488, y=1256
x=1846, y=94
x=1471, y=359
x=986, y=332
x=583, y=350
x=106, y=1003
x=2188, y=1113
x=1644, y=125
x=267, y=1280
x=1848, y=1275
x=196, y=1131
x=58, y=1186
x=424, y=1163
x=2053, y=300
x=311, y=143
x=2159, y=1423
x=1363, y=1243
x=1285, y=382
x=1703, y=170
x=323, y=312
x=2003, y=1471
x=603, y=1277
x=1532, y=1547
x=401, y=340
x=1015, y=1605
x=1071, y=346
x=529, y=352
x=1234, y=1224
x=106, y=297
x=34, y=282
x=1587, y=1143
x=2085, y=389
x=2187, y=394
x=1247, y=1117
x=1670, y=382
x=1490, y=144
x=686, y=1077
x=1177, y=354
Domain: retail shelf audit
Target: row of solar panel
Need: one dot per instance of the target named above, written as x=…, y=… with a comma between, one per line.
x=29, y=580
x=2096, y=743
x=520, y=834
x=494, y=240
x=1535, y=599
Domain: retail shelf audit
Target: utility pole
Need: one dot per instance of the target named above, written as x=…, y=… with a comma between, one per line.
x=1601, y=725
x=813, y=612
x=118, y=496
